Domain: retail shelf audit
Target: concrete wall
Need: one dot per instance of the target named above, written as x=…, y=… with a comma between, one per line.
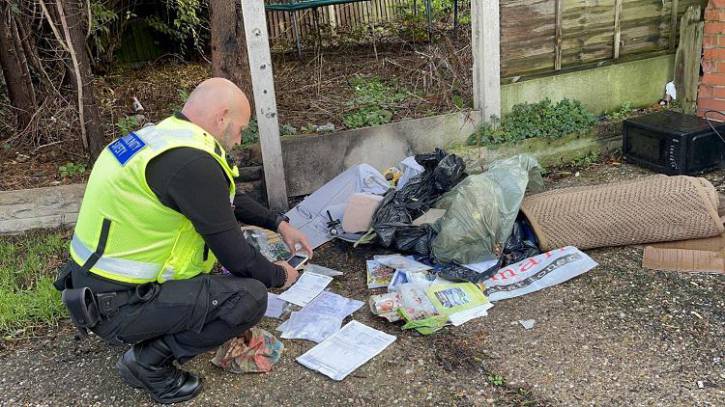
x=548, y=152
x=600, y=89
x=38, y=208
x=311, y=161
x=52, y=207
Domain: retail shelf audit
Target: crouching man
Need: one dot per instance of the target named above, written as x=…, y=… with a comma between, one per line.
x=160, y=208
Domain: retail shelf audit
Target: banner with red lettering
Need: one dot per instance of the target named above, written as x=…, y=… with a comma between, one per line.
x=533, y=274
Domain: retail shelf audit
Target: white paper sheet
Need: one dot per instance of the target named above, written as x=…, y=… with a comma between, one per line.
x=346, y=350
x=400, y=262
x=460, y=318
x=321, y=270
x=482, y=266
x=275, y=306
x=332, y=304
x=309, y=286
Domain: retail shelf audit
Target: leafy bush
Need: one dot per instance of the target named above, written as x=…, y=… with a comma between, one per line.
x=542, y=119
x=127, y=124
x=69, y=170
x=621, y=113
x=250, y=135
x=373, y=102
x=186, y=22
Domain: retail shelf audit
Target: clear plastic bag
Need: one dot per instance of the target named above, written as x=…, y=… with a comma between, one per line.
x=313, y=327
x=482, y=209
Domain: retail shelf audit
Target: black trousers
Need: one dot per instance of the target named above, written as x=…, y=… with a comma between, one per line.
x=191, y=316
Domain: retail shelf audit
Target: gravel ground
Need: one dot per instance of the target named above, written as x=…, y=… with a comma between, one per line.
x=617, y=335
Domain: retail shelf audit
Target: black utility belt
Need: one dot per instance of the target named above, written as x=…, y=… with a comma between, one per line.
x=87, y=309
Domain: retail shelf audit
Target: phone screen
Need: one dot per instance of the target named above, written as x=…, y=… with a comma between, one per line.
x=296, y=260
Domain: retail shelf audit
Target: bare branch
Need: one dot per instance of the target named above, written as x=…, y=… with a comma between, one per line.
x=52, y=24
x=77, y=71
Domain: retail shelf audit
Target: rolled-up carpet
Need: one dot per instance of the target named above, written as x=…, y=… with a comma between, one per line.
x=651, y=209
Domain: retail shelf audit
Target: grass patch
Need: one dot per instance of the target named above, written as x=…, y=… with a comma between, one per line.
x=28, y=265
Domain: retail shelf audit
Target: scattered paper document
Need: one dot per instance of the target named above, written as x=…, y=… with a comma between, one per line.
x=481, y=267
x=527, y=323
x=332, y=304
x=459, y=318
x=346, y=350
x=309, y=286
x=400, y=262
x=275, y=306
x=321, y=270
x=311, y=326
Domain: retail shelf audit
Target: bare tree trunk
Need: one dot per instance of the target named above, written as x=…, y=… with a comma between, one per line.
x=228, y=45
x=76, y=21
x=15, y=69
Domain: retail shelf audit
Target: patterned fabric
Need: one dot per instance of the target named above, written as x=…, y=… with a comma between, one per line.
x=256, y=351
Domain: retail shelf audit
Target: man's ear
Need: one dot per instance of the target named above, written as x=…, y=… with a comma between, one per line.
x=223, y=117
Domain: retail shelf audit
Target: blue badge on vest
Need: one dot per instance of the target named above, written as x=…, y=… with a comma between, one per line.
x=126, y=147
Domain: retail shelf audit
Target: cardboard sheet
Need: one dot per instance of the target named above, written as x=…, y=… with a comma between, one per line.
x=697, y=255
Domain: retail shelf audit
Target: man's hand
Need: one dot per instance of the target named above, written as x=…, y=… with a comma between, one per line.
x=292, y=237
x=292, y=274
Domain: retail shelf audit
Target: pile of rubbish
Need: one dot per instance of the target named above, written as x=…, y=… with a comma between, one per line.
x=462, y=242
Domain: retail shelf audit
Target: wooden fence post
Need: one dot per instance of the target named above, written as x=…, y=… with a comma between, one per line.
x=486, y=34
x=557, y=35
x=265, y=102
x=673, y=25
x=617, y=27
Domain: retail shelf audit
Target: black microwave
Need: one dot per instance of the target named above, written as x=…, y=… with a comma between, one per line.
x=673, y=143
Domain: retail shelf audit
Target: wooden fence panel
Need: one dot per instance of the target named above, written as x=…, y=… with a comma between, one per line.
x=586, y=31
x=527, y=36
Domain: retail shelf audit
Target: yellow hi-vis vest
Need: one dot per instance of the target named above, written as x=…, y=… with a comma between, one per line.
x=123, y=227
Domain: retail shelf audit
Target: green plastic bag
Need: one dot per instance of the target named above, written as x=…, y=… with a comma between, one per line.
x=482, y=209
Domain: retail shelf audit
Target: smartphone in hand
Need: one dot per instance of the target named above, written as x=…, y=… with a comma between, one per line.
x=297, y=261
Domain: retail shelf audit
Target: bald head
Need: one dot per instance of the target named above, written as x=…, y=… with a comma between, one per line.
x=218, y=106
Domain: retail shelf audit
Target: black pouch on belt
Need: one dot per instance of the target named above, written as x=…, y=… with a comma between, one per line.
x=82, y=307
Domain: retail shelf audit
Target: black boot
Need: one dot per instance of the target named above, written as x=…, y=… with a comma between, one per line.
x=150, y=365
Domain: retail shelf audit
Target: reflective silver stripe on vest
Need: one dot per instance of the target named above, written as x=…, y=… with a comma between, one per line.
x=121, y=267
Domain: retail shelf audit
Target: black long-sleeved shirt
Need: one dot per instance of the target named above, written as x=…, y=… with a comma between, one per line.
x=191, y=182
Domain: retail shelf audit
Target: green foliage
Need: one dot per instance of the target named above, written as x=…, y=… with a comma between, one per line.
x=185, y=23
x=586, y=160
x=542, y=119
x=27, y=272
x=250, y=135
x=496, y=380
x=368, y=116
x=372, y=102
x=101, y=19
x=414, y=21
x=621, y=113
x=183, y=94
x=287, y=130
x=127, y=124
x=70, y=170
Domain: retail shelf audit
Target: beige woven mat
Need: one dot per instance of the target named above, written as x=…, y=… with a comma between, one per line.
x=651, y=209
